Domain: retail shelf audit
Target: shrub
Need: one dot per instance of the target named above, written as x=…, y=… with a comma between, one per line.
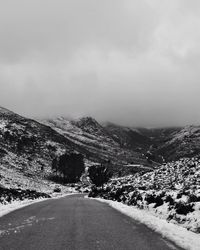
x=193, y=198
x=150, y=198
x=182, y=208
x=158, y=201
x=170, y=200
x=154, y=199
x=99, y=175
x=57, y=190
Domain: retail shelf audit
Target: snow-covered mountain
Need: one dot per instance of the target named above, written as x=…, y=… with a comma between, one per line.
x=128, y=137
x=171, y=191
x=98, y=143
x=183, y=142
x=124, y=145
x=27, y=146
x=26, y=149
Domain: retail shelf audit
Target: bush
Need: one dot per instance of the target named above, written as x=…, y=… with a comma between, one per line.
x=99, y=175
x=57, y=190
x=150, y=198
x=170, y=200
x=8, y=195
x=154, y=199
x=182, y=208
x=193, y=198
x=94, y=192
x=158, y=201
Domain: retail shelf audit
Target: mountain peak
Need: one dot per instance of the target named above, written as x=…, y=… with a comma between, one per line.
x=86, y=121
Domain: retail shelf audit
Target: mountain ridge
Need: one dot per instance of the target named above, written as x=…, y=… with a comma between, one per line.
x=33, y=143
x=87, y=134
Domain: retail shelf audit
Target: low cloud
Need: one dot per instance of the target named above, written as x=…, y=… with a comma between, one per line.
x=135, y=62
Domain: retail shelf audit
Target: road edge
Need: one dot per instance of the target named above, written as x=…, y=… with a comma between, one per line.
x=176, y=234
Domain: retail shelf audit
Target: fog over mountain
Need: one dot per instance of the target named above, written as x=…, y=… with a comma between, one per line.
x=132, y=62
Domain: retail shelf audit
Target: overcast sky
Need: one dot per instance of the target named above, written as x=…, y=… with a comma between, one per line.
x=133, y=62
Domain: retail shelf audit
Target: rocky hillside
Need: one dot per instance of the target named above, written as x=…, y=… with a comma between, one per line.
x=182, y=143
x=159, y=135
x=130, y=138
x=26, y=148
x=124, y=145
x=171, y=192
x=100, y=143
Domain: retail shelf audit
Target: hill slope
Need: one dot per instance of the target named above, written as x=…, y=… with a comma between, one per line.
x=130, y=138
x=182, y=143
x=171, y=192
x=26, y=149
x=97, y=142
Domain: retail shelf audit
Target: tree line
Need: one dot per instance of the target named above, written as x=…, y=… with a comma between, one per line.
x=68, y=168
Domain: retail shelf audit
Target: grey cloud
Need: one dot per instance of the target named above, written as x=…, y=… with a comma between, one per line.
x=45, y=26
x=134, y=62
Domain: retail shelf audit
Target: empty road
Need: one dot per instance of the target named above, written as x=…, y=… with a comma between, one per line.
x=75, y=223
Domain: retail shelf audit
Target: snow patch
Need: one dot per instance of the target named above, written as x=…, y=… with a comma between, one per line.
x=183, y=238
x=6, y=209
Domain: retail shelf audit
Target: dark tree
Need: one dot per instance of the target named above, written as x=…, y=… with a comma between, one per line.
x=71, y=166
x=99, y=175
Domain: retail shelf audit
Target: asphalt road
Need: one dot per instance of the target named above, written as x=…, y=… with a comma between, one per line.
x=75, y=223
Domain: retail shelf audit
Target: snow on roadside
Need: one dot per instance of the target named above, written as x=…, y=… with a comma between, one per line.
x=181, y=236
x=170, y=192
x=6, y=209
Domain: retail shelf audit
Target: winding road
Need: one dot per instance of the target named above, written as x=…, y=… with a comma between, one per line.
x=76, y=223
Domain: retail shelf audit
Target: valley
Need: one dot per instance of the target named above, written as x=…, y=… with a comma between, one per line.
x=152, y=169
